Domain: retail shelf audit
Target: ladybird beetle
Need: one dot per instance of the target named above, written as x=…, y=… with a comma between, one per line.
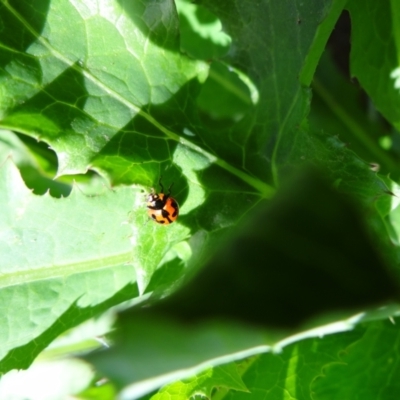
x=162, y=208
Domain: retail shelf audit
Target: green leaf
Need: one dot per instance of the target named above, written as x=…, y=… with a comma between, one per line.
x=60, y=259
x=275, y=73
x=375, y=51
x=290, y=373
x=322, y=35
x=81, y=85
x=225, y=376
x=114, y=86
x=369, y=368
x=234, y=98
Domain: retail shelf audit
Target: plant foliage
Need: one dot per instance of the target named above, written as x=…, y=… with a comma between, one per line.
x=281, y=276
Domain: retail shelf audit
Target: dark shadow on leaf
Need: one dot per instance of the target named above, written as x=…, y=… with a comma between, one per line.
x=166, y=277
x=158, y=20
x=15, y=34
x=142, y=152
x=305, y=254
x=196, y=45
x=227, y=198
x=232, y=103
x=49, y=118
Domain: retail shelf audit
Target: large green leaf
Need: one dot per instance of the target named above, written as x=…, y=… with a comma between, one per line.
x=61, y=260
x=369, y=368
x=86, y=70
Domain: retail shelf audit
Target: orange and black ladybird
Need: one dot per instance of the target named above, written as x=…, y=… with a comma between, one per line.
x=161, y=207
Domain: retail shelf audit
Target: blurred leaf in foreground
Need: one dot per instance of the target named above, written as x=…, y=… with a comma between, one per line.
x=264, y=282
